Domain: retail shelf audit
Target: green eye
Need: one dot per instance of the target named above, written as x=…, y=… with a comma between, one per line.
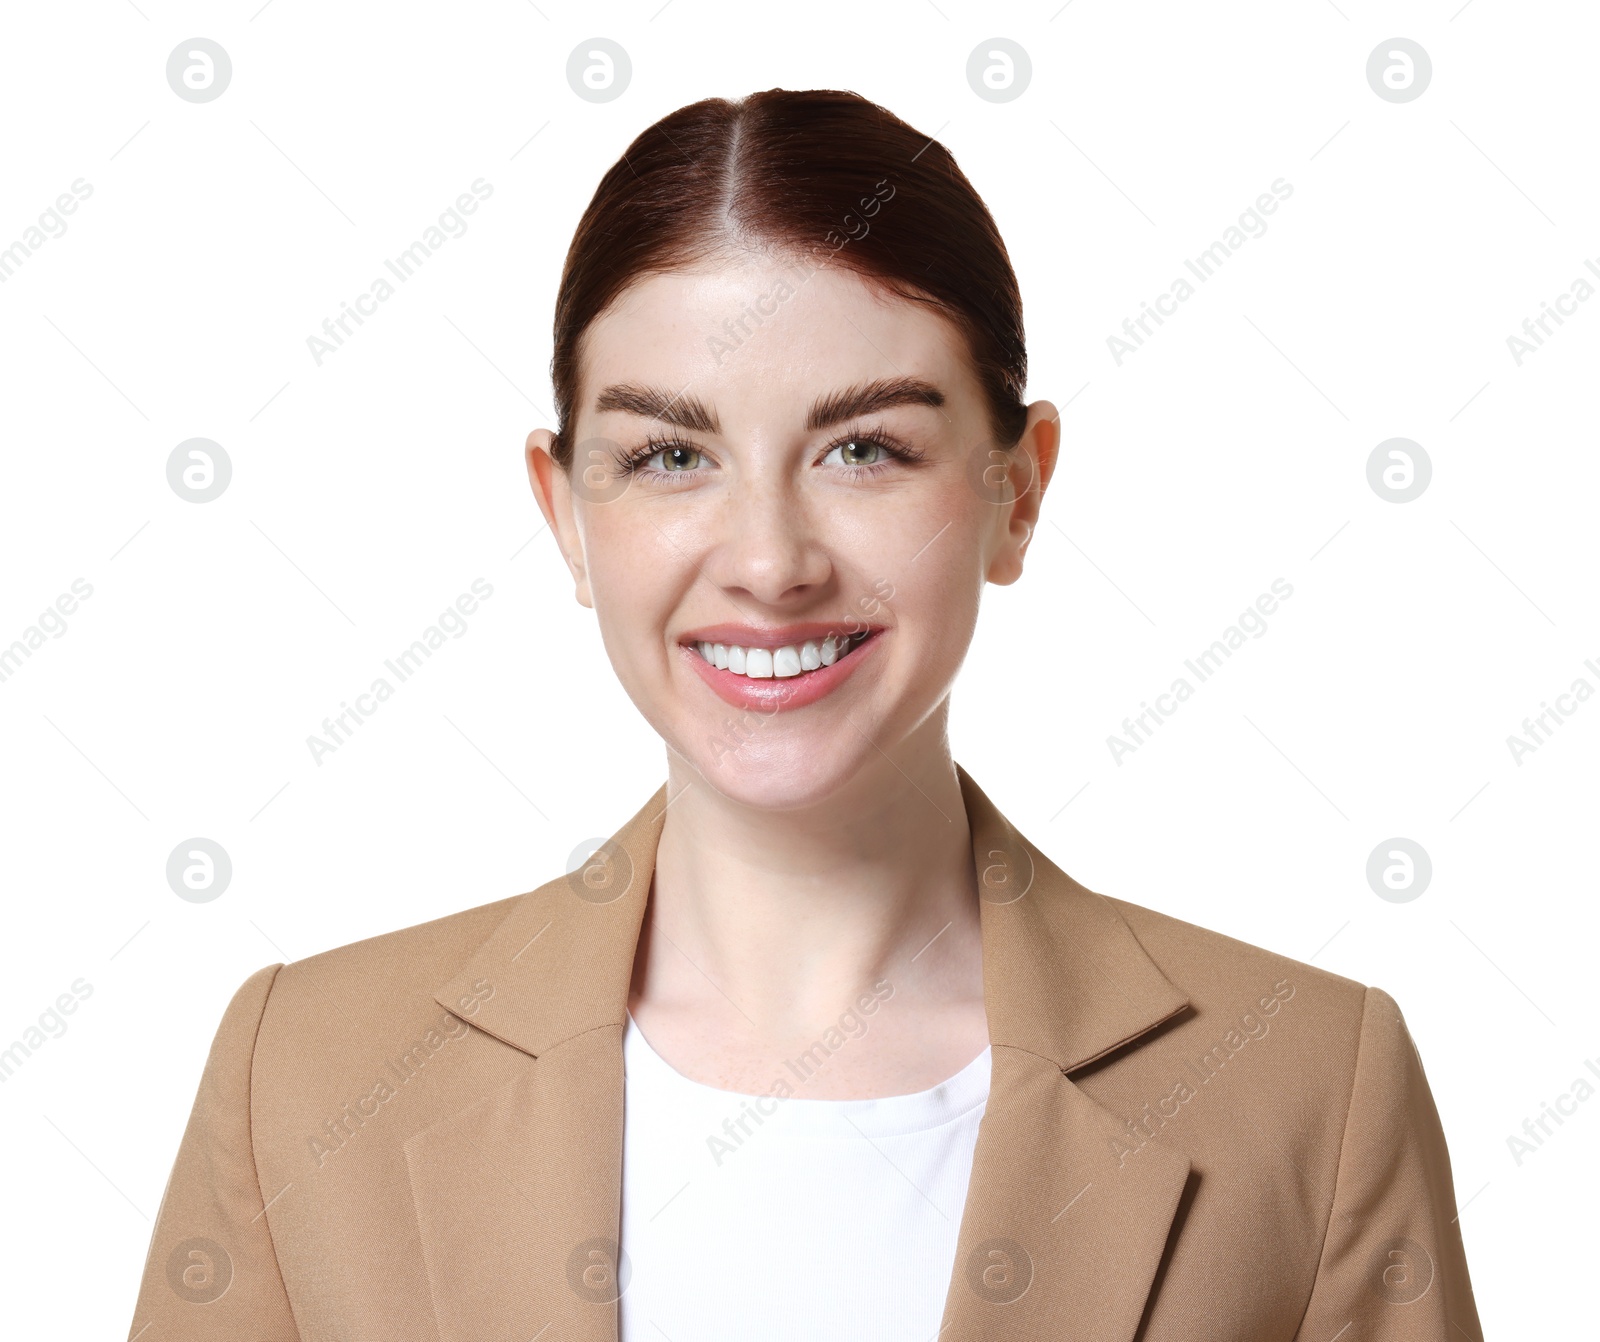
x=858, y=452
x=679, y=458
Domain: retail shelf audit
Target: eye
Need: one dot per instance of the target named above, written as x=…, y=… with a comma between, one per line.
x=857, y=451
x=659, y=457
x=677, y=458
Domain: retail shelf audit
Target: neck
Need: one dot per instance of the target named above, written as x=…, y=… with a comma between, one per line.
x=786, y=916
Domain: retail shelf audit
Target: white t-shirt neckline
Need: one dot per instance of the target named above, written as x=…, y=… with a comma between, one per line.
x=800, y=1117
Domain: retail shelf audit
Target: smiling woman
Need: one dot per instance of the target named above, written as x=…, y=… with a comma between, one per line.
x=969, y=1097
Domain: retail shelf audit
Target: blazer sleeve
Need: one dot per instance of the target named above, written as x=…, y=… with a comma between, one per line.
x=211, y=1271
x=1393, y=1264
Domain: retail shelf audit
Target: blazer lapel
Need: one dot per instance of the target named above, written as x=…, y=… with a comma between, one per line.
x=1063, y=1229
x=518, y=1194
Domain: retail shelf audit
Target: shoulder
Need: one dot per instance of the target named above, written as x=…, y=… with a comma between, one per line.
x=1319, y=1044
x=366, y=998
x=418, y=958
x=1324, y=1026
x=1214, y=969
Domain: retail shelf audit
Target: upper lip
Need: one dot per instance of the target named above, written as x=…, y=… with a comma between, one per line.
x=775, y=636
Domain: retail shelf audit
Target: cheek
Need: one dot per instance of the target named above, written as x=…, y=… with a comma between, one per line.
x=944, y=603
x=632, y=571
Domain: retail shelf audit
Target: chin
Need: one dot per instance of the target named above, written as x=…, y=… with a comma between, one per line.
x=791, y=771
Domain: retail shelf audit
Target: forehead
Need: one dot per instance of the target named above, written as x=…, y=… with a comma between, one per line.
x=760, y=339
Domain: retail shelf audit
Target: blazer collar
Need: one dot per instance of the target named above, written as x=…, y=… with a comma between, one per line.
x=517, y=1195
x=1064, y=976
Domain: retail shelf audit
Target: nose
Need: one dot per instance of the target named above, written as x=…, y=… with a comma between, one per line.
x=767, y=546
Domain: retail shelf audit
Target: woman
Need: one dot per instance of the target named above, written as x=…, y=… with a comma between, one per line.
x=726, y=1080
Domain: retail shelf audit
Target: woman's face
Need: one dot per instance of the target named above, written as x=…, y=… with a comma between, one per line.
x=795, y=474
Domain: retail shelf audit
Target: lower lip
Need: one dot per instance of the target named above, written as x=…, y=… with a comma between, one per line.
x=779, y=694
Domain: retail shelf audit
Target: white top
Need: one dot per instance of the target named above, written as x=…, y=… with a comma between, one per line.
x=784, y=1218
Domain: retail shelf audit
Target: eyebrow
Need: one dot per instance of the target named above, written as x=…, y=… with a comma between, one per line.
x=689, y=412
x=872, y=396
x=680, y=408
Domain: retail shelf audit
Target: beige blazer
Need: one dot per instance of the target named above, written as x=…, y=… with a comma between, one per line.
x=418, y=1138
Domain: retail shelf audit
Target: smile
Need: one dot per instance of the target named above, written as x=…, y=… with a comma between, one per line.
x=774, y=670
x=793, y=659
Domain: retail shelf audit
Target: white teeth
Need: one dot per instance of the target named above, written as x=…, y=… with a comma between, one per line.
x=770, y=663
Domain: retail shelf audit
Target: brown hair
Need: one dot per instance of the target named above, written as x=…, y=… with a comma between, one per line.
x=818, y=172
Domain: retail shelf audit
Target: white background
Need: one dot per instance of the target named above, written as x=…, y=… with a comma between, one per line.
x=368, y=492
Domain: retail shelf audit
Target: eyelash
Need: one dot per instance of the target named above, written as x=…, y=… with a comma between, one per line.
x=633, y=462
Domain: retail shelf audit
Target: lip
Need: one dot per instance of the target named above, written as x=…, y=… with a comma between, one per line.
x=779, y=693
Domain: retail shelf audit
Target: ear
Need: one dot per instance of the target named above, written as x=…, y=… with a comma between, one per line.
x=1033, y=462
x=553, y=492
